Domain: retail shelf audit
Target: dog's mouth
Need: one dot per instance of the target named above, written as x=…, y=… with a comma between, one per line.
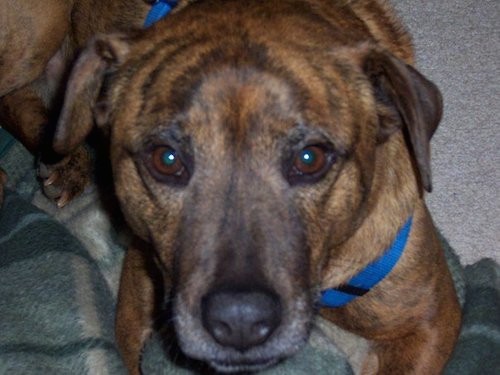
x=230, y=367
x=228, y=361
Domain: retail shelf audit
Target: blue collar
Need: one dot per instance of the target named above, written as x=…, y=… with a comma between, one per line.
x=159, y=10
x=370, y=276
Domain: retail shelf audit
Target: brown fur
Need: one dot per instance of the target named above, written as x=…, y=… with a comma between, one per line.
x=38, y=42
x=237, y=88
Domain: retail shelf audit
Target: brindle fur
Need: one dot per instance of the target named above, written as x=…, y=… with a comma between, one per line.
x=237, y=87
x=38, y=42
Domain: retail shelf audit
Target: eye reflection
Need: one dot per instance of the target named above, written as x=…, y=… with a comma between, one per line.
x=166, y=161
x=310, y=160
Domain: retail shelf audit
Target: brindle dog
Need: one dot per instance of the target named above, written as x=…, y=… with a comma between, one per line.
x=264, y=151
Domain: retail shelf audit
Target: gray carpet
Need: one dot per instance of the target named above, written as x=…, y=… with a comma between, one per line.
x=458, y=47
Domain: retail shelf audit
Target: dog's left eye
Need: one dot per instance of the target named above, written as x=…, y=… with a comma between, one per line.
x=166, y=165
x=310, y=160
x=310, y=164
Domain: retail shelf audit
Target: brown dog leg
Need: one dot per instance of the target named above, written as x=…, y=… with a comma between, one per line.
x=421, y=349
x=25, y=116
x=424, y=352
x=135, y=309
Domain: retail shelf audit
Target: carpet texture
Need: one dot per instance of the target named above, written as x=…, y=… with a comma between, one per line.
x=458, y=48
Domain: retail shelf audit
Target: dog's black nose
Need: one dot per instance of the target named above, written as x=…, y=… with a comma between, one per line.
x=241, y=320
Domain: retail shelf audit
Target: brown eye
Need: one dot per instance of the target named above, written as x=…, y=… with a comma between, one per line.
x=311, y=164
x=310, y=160
x=166, y=162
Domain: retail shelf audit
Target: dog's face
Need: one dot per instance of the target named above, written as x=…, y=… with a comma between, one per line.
x=246, y=165
x=238, y=188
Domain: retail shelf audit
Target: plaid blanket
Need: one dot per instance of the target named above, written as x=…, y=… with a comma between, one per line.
x=59, y=272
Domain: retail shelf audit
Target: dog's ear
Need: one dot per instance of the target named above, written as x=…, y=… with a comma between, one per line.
x=104, y=54
x=405, y=99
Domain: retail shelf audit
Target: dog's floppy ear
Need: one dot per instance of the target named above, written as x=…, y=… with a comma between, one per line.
x=103, y=55
x=405, y=99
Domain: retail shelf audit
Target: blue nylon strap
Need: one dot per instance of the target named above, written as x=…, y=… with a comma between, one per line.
x=159, y=10
x=371, y=275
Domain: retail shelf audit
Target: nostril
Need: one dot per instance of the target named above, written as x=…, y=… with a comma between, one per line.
x=241, y=319
x=220, y=330
x=261, y=329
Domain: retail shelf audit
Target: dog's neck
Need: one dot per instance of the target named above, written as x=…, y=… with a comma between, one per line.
x=371, y=275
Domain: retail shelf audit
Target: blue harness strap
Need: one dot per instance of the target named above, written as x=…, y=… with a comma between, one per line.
x=371, y=275
x=159, y=10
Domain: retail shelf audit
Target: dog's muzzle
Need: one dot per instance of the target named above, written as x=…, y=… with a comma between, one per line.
x=243, y=329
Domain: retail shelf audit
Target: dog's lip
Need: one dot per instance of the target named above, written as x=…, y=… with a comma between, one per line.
x=228, y=366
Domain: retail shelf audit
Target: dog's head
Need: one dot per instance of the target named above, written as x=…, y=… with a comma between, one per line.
x=247, y=159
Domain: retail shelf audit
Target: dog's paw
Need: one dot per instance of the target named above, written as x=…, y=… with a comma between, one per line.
x=66, y=179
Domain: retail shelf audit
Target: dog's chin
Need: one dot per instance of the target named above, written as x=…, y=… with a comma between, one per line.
x=229, y=361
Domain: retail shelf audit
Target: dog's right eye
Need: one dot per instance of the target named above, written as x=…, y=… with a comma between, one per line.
x=166, y=161
x=166, y=165
x=310, y=164
x=310, y=160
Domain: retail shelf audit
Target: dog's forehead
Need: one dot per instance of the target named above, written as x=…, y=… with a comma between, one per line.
x=240, y=107
x=242, y=88
x=243, y=107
